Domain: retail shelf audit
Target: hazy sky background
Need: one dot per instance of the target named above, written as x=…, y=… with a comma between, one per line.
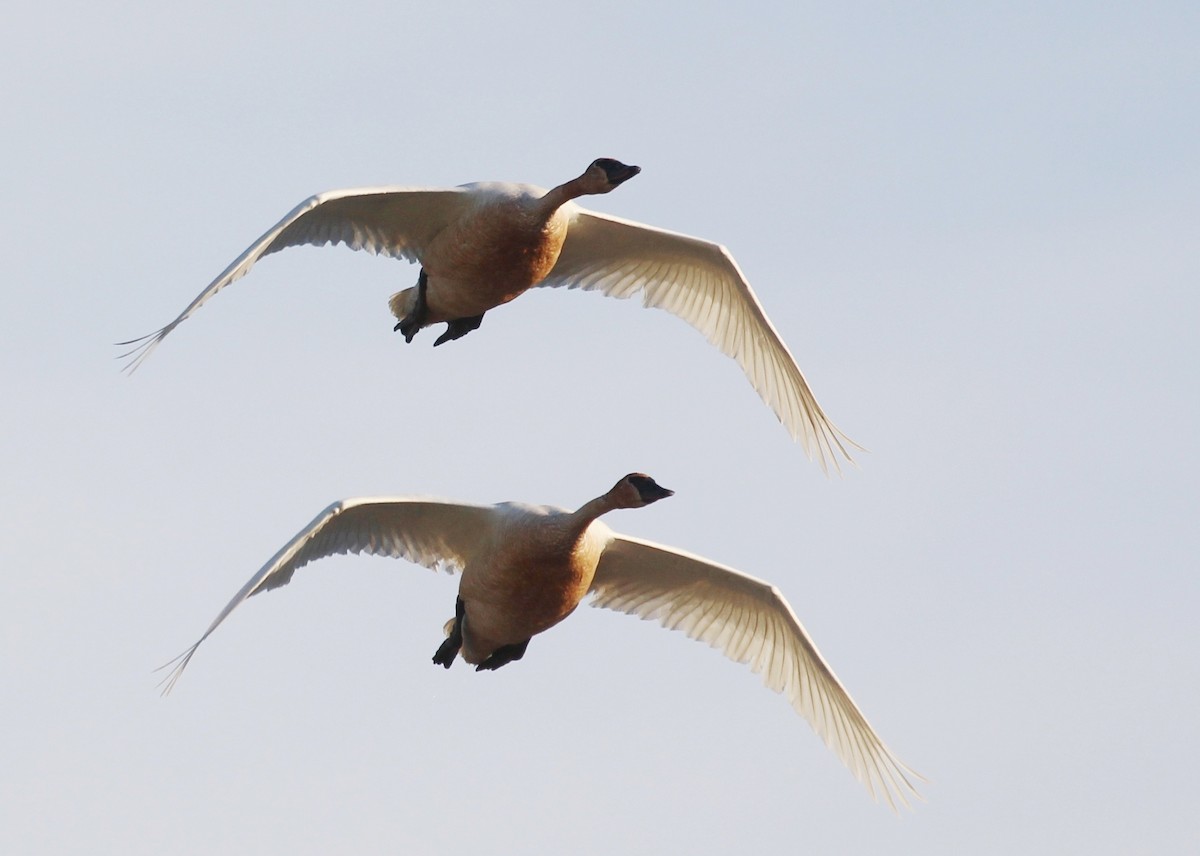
x=976, y=227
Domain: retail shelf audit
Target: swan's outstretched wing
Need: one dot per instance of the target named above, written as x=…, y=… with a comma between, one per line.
x=433, y=533
x=750, y=622
x=389, y=221
x=701, y=283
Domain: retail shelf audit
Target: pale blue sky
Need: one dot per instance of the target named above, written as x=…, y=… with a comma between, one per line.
x=976, y=227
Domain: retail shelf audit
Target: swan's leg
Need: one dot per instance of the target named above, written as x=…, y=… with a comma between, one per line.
x=458, y=328
x=448, y=650
x=503, y=655
x=411, y=323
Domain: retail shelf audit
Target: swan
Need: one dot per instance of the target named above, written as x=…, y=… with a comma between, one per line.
x=482, y=245
x=526, y=567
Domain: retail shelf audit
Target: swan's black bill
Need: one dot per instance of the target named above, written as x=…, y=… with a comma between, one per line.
x=649, y=490
x=616, y=171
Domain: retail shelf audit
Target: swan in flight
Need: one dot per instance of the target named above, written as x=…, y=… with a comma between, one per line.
x=526, y=567
x=481, y=245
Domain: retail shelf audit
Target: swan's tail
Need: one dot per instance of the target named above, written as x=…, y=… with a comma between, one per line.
x=402, y=303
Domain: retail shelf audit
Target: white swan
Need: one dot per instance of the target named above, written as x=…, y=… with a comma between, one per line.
x=482, y=245
x=526, y=567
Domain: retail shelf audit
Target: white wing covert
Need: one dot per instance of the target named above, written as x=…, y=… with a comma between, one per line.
x=398, y=222
x=699, y=282
x=750, y=622
x=433, y=533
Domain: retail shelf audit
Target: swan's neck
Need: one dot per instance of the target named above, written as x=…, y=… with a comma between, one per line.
x=558, y=196
x=592, y=509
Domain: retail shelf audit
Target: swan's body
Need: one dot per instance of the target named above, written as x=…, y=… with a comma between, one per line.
x=482, y=245
x=505, y=243
x=526, y=567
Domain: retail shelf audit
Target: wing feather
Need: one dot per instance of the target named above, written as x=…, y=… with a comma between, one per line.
x=437, y=534
x=700, y=282
x=398, y=222
x=750, y=622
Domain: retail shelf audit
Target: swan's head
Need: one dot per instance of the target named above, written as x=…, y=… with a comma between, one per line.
x=606, y=174
x=637, y=490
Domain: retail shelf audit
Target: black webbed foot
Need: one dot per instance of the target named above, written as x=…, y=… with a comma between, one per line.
x=502, y=656
x=448, y=650
x=458, y=328
x=410, y=324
